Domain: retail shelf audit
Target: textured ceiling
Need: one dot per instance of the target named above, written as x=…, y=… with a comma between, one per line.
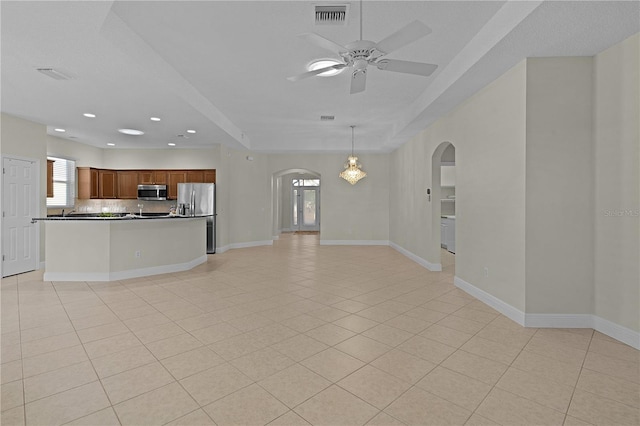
x=220, y=67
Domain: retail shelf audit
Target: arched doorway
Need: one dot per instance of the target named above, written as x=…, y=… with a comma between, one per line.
x=443, y=166
x=296, y=201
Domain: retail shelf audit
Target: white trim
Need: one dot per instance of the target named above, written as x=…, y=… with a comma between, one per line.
x=354, y=242
x=604, y=326
x=247, y=245
x=220, y=250
x=123, y=275
x=497, y=304
x=617, y=331
x=558, y=320
x=434, y=267
x=276, y=237
x=42, y=265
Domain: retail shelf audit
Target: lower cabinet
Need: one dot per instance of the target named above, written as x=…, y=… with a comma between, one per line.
x=448, y=234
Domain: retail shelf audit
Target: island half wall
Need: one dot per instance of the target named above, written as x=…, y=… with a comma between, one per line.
x=116, y=249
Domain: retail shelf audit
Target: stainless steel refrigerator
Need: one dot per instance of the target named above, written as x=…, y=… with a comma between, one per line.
x=199, y=199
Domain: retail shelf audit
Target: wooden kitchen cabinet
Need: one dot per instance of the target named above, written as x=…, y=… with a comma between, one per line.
x=127, y=184
x=102, y=183
x=107, y=184
x=175, y=177
x=152, y=177
x=209, y=176
x=195, y=176
x=50, y=178
x=88, y=185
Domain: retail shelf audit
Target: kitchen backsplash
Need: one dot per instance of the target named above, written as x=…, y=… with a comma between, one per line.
x=117, y=206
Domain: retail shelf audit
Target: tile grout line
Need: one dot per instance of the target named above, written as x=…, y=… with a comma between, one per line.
x=87, y=355
x=575, y=386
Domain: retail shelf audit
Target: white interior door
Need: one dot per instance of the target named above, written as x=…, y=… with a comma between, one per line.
x=19, y=206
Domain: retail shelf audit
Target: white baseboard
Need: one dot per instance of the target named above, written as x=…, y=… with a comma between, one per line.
x=123, y=275
x=276, y=237
x=435, y=267
x=558, y=320
x=354, y=242
x=616, y=331
x=497, y=304
x=604, y=326
x=231, y=246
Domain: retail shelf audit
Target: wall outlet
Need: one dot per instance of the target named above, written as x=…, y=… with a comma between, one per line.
x=137, y=253
x=486, y=272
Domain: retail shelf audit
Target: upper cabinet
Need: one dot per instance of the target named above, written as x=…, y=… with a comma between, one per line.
x=88, y=183
x=100, y=183
x=127, y=184
x=209, y=176
x=152, y=177
x=175, y=177
x=195, y=176
x=50, y=178
x=108, y=183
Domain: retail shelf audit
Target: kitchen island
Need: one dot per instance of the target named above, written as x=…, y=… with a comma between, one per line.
x=116, y=248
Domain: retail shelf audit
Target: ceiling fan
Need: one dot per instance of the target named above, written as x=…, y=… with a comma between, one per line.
x=362, y=53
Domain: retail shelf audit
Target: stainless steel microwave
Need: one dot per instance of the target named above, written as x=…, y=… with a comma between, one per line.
x=152, y=192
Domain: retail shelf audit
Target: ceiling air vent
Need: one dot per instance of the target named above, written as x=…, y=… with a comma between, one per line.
x=334, y=14
x=327, y=117
x=53, y=73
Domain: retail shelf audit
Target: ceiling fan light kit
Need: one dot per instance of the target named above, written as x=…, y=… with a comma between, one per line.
x=359, y=54
x=352, y=172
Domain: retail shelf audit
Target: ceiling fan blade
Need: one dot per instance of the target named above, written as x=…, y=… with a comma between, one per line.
x=358, y=81
x=404, y=36
x=325, y=43
x=315, y=72
x=406, y=67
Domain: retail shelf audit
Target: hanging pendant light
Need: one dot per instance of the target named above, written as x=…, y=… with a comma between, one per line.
x=352, y=172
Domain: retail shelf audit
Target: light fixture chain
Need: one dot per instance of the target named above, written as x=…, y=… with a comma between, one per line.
x=352, y=127
x=360, y=20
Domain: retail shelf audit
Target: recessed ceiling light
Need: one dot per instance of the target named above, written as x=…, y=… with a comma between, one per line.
x=171, y=144
x=191, y=131
x=89, y=115
x=132, y=132
x=60, y=130
x=111, y=144
x=155, y=118
x=323, y=63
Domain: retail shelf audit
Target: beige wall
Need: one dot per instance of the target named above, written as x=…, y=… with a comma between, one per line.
x=249, y=195
x=84, y=155
x=617, y=183
x=26, y=139
x=559, y=191
x=208, y=158
x=488, y=132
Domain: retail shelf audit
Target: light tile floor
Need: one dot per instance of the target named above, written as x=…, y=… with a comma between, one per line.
x=297, y=334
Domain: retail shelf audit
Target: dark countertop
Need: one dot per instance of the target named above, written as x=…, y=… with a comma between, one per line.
x=116, y=216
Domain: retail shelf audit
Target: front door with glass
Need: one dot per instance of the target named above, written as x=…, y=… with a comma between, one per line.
x=306, y=204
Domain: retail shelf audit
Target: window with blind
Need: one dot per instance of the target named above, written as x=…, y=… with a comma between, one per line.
x=64, y=183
